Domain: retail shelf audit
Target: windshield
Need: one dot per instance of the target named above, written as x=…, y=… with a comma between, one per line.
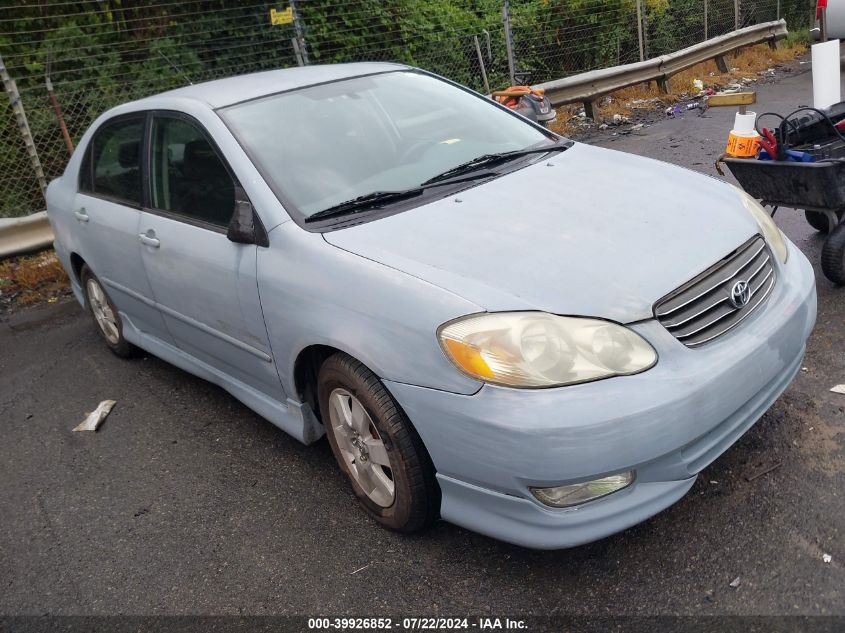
x=325, y=145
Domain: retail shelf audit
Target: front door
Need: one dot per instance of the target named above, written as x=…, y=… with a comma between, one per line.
x=205, y=285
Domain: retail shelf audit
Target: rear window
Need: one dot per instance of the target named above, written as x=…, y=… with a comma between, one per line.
x=112, y=166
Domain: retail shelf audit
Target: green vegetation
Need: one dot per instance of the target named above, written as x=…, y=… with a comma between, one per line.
x=106, y=52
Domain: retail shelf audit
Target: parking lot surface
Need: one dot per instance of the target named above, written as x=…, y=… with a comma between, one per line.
x=187, y=502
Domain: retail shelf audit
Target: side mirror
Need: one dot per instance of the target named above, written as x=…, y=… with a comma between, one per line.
x=245, y=226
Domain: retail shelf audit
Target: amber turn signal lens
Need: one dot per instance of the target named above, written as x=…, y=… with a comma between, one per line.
x=468, y=358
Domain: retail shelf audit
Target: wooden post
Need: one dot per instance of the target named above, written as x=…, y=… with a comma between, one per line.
x=591, y=109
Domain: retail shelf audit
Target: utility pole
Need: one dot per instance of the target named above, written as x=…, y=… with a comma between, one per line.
x=640, y=29
x=23, y=125
x=506, y=18
x=736, y=15
x=300, y=33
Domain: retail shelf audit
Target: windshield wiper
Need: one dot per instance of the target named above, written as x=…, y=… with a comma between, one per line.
x=374, y=200
x=488, y=160
x=378, y=199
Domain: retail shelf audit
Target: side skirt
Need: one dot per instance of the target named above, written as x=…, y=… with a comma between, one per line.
x=294, y=418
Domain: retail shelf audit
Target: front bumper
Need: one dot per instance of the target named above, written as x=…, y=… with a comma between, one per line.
x=667, y=423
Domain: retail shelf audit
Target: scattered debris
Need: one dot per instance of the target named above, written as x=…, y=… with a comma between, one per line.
x=762, y=471
x=638, y=126
x=839, y=389
x=827, y=558
x=804, y=369
x=96, y=417
x=714, y=482
x=603, y=126
x=736, y=582
x=360, y=569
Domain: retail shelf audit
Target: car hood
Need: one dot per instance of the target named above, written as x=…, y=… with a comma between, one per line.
x=590, y=232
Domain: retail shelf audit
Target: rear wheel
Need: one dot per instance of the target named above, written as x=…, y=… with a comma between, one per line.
x=819, y=220
x=105, y=314
x=833, y=256
x=376, y=446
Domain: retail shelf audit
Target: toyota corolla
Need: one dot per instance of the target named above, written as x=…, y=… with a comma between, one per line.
x=533, y=338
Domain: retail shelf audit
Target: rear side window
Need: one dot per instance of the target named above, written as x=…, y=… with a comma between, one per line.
x=112, y=169
x=188, y=176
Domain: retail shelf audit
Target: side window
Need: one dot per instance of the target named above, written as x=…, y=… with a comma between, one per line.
x=85, y=182
x=116, y=159
x=188, y=177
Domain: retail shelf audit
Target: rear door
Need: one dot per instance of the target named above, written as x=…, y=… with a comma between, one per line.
x=204, y=284
x=107, y=211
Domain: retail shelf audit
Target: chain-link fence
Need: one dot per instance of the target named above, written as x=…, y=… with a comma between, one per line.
x=108, y=52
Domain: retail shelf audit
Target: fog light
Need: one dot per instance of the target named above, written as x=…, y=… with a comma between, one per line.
x=576, y=494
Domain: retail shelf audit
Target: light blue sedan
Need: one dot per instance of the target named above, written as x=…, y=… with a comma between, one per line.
x=536, y=339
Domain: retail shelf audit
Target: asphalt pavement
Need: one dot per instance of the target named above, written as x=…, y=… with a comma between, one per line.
x=187, y=502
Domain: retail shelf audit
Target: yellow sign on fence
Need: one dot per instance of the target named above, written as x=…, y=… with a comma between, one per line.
x=281, y=17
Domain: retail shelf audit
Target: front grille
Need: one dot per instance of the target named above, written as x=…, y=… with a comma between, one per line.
x=703, y=309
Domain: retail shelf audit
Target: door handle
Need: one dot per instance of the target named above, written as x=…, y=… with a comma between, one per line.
x=81, y=215
x=148, y=240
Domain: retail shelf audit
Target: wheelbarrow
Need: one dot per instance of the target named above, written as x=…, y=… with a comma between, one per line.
x=817, y=188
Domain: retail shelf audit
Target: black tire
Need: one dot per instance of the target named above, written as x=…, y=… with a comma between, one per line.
x=416, y=500
x=819, y=220
x=833, y=256
x=119, y=345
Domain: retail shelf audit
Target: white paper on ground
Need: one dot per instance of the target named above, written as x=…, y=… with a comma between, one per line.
x=826, y=78
x=96, y=417
x=839, y=389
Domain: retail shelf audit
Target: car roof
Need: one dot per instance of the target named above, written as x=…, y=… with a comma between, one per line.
x=222, y=92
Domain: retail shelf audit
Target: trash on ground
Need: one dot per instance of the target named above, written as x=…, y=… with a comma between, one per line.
x=736, y=582
x=96, y=417
x=827, y=558
x=762, y=471
x=360, y=569
x=839, y=389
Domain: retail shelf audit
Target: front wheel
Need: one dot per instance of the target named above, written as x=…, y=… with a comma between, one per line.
x=833, y=256
x=376, y=446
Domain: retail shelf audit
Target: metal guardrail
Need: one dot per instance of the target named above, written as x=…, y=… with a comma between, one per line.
x=31, y=233
x=588, y=87
x=24, y=235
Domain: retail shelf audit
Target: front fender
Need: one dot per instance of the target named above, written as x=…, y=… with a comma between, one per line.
x=313, y=293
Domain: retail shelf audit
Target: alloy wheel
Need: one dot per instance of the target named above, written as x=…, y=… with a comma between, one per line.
x=361, y=447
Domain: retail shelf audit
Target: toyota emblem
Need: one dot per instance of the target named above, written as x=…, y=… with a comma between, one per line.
x=740, y=294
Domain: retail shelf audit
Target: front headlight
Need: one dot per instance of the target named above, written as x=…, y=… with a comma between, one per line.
x=771, y=233
x=534, y=349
